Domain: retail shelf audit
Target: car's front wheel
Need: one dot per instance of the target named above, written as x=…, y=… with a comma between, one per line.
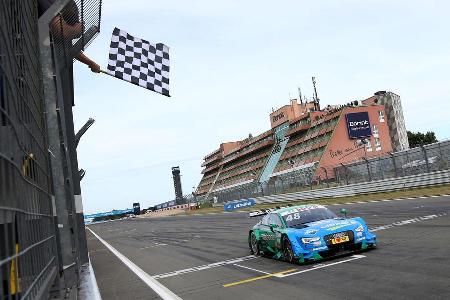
x=254, y=245
x=288, y=253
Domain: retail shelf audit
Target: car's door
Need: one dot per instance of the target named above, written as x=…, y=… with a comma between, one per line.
x=269, y=230
x=277, y=225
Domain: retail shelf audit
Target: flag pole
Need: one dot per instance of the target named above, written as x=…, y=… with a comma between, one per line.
x=104, y=72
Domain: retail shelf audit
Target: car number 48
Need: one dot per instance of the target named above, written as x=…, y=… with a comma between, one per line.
x=295, y=216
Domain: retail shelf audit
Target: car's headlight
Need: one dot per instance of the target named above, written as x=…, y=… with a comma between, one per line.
x=360, y=228
x=306, y=240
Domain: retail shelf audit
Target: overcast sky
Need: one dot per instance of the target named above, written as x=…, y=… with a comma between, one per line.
x=231, y=62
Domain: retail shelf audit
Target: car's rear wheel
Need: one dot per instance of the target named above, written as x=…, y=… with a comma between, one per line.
x=288, y=253
x=254, y=245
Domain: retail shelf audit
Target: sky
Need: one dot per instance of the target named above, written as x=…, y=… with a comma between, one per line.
x=231, y=63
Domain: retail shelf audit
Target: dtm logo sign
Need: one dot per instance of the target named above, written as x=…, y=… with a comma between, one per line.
x=358, y=125
x=278, y=117
x=239, y=204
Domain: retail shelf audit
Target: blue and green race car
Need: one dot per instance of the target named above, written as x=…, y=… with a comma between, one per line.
x=304, y=233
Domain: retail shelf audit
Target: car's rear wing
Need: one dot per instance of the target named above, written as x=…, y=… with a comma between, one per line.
x=262, y=212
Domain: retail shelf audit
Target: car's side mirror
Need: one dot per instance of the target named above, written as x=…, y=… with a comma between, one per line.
x=272, y=226
x=344, y=212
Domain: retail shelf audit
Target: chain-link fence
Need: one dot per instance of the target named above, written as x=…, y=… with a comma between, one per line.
x=425, y=159
x=419, y=160
x=28, y=257
x=42, y=241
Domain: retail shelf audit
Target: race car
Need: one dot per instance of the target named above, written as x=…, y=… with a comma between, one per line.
x=305, y=233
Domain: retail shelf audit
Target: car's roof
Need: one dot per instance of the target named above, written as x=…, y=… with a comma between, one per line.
x=299, y=208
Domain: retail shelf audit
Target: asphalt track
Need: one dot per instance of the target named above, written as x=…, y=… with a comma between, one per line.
x=207, y=257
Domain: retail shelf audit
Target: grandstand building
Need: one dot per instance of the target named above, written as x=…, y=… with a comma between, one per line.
x=305, y=137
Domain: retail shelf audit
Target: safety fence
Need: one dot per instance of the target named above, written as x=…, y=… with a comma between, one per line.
x=40, y=253
x=377, y=186
x=28, y=256
x=416, y=161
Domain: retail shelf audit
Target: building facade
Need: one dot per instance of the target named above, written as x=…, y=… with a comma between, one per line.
x=305, y=137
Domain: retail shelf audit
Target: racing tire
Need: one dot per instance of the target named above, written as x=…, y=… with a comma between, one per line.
x=254, y=245
x=288, y=253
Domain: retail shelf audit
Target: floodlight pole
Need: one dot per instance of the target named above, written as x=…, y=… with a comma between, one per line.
x=83, y=130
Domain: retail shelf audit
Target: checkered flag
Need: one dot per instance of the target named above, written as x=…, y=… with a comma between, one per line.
x=139, y=62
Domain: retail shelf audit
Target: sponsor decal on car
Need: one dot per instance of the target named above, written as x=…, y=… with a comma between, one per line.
x=311, y=231
x=337, y=225
x=320, y=248
x=300, y=209
x=267, y=237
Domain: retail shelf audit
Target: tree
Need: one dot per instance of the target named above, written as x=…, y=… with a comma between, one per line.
x=417, y=139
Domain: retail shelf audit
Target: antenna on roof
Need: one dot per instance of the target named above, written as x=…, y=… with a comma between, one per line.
x=300, y=96
x=316, y=98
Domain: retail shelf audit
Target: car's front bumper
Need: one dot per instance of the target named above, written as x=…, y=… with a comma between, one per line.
x=322, y=251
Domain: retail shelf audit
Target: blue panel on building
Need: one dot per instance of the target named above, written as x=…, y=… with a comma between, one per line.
x=358, y=125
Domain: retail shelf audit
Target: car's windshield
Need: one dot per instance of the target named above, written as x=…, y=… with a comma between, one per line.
x=296, y=217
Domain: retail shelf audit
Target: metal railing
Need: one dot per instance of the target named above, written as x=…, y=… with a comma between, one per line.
x=420, y=160
x=385, y=185
x=28, y=256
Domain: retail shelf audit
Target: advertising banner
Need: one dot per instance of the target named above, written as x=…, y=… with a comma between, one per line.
x=358, y=125
x=239, y=204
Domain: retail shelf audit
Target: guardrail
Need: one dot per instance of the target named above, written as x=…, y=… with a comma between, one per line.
x=386, y=185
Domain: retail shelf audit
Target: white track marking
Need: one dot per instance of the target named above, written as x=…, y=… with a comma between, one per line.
x=405, y=222
x=160, y=289
x=321, y=266
x=153, y=246
x=204, y=267
x=250, y=269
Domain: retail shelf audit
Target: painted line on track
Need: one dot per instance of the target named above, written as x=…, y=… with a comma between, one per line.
x=321, y=266
x=204, y=267
x=290, y=272
x=409, y=221
x=258, y=278
x=152, y=283
x=245, y=267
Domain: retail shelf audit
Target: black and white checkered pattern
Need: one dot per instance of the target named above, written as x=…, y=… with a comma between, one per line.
x=139, y=62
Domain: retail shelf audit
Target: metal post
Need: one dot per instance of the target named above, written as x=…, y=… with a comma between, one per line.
x=346, y=172
x=425, y=156
x=66, y=246
x=66, y=95
x=369, y=173
x=381, y=168
x=394, y=163
x=326, y=176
